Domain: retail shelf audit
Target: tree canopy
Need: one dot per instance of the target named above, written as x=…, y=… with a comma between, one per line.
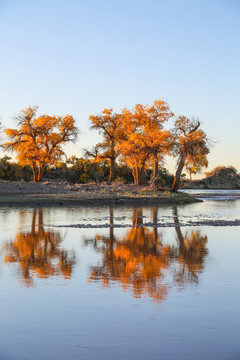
x=134, y=141
x=144, y=137
x=191, y=145
x=108, y=125
x=38, y=141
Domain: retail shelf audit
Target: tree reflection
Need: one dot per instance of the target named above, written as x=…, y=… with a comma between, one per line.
x=142, y=261
x=38, y=252
x=191, y=255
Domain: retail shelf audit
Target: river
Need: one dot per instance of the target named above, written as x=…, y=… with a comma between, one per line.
x=121, y=282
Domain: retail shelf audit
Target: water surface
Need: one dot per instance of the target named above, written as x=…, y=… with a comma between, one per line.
x=125, y=292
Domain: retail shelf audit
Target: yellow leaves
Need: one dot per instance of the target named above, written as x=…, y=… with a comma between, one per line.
x=107, y=123
x=11, y=132
x=137, y=135
x=39, y=140
x=107, y=112
x=143, y=134
x=192, y=144
x=66, y=123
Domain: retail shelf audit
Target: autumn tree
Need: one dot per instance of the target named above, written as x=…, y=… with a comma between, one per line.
x=195, y=167
x=158, y=140
x=107, y=123
x=38, y=141
x=145, y=139
x=191, y=143
x=131, y=145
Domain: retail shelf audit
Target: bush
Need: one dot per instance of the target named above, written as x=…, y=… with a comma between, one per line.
x=222, y=171
x=13, y=171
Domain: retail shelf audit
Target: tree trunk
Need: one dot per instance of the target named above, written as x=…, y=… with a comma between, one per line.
x=112, y=169
x=155, y=170
x=40, y=173
x=140, y=175
x=34, y=169
x=176, y=181
x=154, y=179
x=134, y=174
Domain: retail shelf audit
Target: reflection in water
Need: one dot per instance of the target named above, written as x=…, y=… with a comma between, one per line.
x=140, y=260
x=38, y=252
x=191, y=253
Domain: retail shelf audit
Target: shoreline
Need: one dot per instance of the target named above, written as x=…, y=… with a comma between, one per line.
x=91, y=194
x=97, y=200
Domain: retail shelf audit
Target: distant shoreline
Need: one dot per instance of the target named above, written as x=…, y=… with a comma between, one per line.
x=214, y=194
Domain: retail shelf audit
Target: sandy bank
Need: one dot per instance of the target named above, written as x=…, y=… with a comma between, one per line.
x=61, y=193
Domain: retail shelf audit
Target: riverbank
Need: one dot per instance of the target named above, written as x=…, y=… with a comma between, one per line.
x=13, y=193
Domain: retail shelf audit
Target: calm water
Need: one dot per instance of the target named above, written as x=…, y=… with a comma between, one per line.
x=128, y=292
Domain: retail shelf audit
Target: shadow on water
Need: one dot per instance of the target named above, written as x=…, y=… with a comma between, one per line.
x=141, y=259
x=38, y=252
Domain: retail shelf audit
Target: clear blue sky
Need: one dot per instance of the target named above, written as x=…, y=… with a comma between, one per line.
x=79, y=57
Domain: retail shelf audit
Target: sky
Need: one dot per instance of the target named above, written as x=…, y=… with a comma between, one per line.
x=79, y=57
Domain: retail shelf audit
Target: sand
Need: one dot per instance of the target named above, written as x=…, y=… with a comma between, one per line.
x=17, y=193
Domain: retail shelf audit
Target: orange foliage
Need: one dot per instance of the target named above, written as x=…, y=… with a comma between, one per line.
x=144, y=137
x=191, y=145
x=108, y=124
x=38, y=140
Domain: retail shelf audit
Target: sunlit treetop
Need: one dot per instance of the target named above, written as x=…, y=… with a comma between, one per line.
x=38, y=141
